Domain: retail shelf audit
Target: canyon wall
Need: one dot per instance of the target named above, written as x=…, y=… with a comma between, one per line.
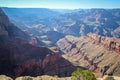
x=97, y=53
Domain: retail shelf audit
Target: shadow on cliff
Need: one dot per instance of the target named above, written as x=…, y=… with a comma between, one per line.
x=19, y=58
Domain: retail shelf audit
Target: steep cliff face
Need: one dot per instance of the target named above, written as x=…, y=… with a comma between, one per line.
x=18, y=57
x=109, y=43
x=99, y=54
x=2, y=21
x=8, y=29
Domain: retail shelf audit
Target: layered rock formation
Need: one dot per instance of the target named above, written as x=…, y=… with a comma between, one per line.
x=18, y=57
x=50, y=28
x=99, y=54
x=109, y=43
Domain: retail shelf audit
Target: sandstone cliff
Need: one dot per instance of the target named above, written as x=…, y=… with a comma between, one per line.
x=97, y=53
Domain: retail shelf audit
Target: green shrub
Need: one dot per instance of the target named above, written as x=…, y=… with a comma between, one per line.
x=80, y=74
x=27, y=78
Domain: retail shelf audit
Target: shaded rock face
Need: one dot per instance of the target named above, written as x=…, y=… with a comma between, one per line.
x=2, y=22
x=54, y=36
x=97, y=53
x=18, y=57
x=8, y=29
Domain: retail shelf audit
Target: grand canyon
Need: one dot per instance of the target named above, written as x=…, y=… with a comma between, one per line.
x=33, y=43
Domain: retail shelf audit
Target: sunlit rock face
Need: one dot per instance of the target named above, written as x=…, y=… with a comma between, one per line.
x=97, y=53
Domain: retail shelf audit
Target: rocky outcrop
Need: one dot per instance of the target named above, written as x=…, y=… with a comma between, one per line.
x=97, y=53
x=109, y=43
x=44, y=77
x=4, y=77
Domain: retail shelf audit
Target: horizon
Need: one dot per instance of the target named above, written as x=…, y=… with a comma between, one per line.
x=54, y=8
x=62, y=4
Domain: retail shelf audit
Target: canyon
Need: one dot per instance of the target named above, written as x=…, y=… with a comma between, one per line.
x=98, y=53
x=18, y=56
x=34, y=43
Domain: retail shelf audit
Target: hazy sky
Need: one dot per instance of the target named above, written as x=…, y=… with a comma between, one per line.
x=63, y=4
